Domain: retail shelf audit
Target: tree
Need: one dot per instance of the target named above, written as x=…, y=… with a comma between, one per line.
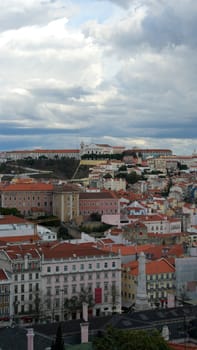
x=118, y=339
x=59, y=341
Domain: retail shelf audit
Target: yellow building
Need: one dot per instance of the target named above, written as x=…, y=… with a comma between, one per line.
x=160, y=280
x=66, y=203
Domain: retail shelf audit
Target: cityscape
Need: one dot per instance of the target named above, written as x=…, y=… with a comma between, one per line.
x=98, y=175
x=118, y=236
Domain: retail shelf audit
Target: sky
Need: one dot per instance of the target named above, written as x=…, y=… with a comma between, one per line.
x=119, y=72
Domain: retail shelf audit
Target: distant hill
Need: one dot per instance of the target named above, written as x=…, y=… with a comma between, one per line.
x=64, y=168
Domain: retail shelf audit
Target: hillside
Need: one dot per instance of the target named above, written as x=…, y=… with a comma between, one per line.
x=64, y=168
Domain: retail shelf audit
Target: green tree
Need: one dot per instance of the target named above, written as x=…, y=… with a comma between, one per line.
x=118, y=339
x=59, y=341
x=133, y=177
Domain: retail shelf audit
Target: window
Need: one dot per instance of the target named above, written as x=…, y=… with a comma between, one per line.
x=48, y=268
x=82, y=267
x=105, y=298
x=57, y=279
x=57, y=268
x=89, y=276
x=105, y=286
x=57, y=303
x=105, y=264
x=113, y=264
x=98, y=275
x=30, y=287
x=90, y=266
x=48, y=291
x=74, y=267
x=57, y=291
x=30, y=276
x=37, y=276
x=65, y=278
x=82, y=287
x=22, y=297
x=37, y=287
x=16, y=277
x=106, y=275
x=98, y=265
x=73, y=288
x=22, y=277
x=81, y=277
x=73, y=278
x=65, y=268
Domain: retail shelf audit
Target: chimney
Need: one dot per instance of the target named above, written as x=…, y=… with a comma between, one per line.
x=30, y=339
x=85, y=325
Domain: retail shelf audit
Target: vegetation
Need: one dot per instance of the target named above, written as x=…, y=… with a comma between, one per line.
x=10, y=211
x=58, y=168
x=95, y=156
x=59, y=340
x=118, y=339
x=94, y=228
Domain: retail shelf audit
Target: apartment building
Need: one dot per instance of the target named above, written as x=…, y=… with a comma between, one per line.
x=73, y=273
x=160, y=281
x=50, y=281
x=66, y=202
x=105, y=202
x=25, y=196
x=161, y=224
x=5, y=283
x=23, y=264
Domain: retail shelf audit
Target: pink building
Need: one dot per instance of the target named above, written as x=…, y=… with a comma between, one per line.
x=105, y=202
x=26, y=196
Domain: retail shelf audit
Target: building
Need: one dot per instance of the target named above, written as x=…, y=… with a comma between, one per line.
x=39, y=153
x=25, y=196
x=73, y=273
x=105, y=202
x=66, y=202
x=5, y=306
x=23, y=264
x=160, y=281
x=49, y=281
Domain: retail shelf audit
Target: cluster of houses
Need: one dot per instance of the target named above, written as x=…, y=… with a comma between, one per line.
x=43, y=278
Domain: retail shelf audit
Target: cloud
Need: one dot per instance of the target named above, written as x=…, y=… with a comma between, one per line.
x=125, y=75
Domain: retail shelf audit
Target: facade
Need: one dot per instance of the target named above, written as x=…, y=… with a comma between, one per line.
x=186, y=277
x=66, y=203
x=96, y=149
x=73, y=273
x=49, y=281
x=37, y=153
x=144, y=153
x=26, y=196
x=5, y=283
x=23, y=263
x=105, y=202
x=160, y=224
x=160, y=281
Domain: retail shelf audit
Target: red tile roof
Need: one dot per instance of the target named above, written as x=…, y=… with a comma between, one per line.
x=67, y=250
x=152, y=268
x=11, y=219
x=28, y=187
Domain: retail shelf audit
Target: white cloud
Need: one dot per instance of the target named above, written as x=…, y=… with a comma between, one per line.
x=129, y=77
